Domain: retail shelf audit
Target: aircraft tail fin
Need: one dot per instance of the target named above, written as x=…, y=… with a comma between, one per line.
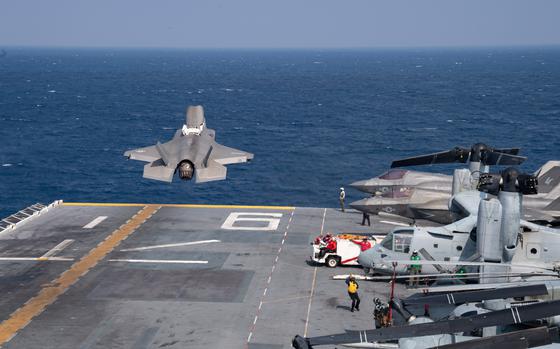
x=549, y=176
x=164, y=154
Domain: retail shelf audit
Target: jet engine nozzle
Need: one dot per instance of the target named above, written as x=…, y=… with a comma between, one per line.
x=186, y=170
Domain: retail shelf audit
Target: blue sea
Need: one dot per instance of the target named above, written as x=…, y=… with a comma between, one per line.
x=315, y=120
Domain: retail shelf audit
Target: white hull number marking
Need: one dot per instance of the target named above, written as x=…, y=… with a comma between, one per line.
x=272, y=221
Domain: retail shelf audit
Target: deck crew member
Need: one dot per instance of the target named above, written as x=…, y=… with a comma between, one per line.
x=330, y=246
x=414, y=269
x=381, y=313
x=364, y=244
x=365, y=217
x=353, y=293
x=341, y=198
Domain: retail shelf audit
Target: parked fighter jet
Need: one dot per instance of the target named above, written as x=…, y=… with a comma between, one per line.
x=479, y=157
x=423, y=195
x=399, y=180
x=192, y=151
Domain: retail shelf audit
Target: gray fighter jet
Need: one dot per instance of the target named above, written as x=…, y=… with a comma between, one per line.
x=192, y=151
x=424, y=195
x=398, y=180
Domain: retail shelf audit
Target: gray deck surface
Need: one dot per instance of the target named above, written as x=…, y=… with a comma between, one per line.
x=256, y=290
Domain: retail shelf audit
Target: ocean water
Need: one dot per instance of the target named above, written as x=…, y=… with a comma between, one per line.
x=315, y=120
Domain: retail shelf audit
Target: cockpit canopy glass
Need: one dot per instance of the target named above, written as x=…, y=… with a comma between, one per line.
x=398, y=192
x=398, y=241
x=394, y=174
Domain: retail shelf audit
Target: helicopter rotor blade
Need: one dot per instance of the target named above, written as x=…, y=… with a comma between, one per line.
x=504, y=317
x=477, y=296
x=456, y=154
x=499, y=158
x=511, y=151
x=529, y=338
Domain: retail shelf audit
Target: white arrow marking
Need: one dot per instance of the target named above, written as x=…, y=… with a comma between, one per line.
x=95, y=222
x=56, y=250
x=395, y=223
x=170, y=245
x=15, y=259
x=158, y=261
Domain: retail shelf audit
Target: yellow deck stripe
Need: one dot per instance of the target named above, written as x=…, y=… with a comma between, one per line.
x=48, y=294
x=178, y=205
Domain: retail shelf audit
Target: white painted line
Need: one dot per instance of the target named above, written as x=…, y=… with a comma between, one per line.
x=310, y=300
x=323, y=223
x=265, y=290
x=95, y=222
x=169, y=245
x=395, y=223
x=158, y=261
x=283, y=240
x=274, y=266
x=16, y=259
x=260, y=305
x=249, y=338
x=55, y=250
x=269, y=278
x=276, y=259
x=256, y=318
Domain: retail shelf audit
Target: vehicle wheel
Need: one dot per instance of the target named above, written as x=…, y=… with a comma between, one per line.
x=331, y=261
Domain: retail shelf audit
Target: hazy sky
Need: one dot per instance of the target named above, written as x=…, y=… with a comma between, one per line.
x=279, y=23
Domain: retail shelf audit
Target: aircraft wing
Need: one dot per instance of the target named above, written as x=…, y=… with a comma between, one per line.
x=157, y=156
x=225, y=155
x=143, y=154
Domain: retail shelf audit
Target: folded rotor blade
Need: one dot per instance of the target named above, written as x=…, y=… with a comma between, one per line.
x=512, y=151
x=497, y=158
x=533, y=337
x=454, y=155
x=497, y=318
x=477, y=296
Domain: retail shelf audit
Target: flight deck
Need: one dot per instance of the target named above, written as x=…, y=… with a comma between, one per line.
x=85, y=275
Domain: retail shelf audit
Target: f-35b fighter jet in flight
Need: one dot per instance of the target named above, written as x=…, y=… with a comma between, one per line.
x=192, y=151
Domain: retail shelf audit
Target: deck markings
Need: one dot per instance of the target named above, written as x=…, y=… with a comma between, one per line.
x=169, y=245
x=95, y=222
x=169, y=261
x=57, y=249
x=313, y=282
x=50, y=293
x=395, y=223
x=40, y=259
x=310, y=300
x=252, y=329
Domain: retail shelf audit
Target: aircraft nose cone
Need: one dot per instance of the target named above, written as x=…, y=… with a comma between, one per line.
x=363, y=186
x=361, y=205
x=365, y=260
